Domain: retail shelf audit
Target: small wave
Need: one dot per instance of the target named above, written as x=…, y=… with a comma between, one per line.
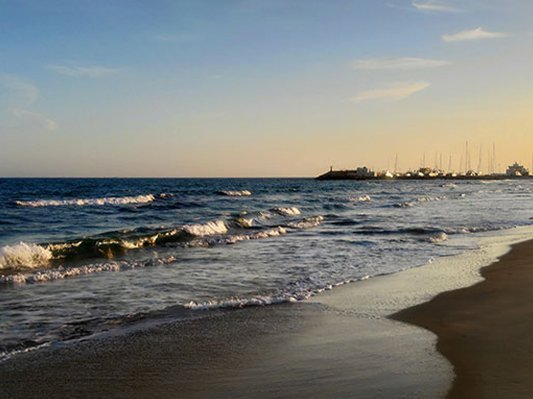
x=277, y=231
x=442, y=236
x=24, y=255
x=244, y=222
x=206, y=229
x=139, y=199
x=307, y=223
x=288, y=211
x=362, y=198
x=419, y=200
x=299, y=294
x=237, y=302
x=449, y=185
x=235, y=193
x=70, y=272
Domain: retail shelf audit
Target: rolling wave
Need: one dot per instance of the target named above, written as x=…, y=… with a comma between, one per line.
x=307, y=223
x=24, y=255
x=139, y=199
x=235, y=193
x=420, y=200
x=52, y=256
x=287, y=211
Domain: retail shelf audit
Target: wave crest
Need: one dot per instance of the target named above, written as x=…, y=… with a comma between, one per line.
x=24, y=255
x=139, y=199
x=235, y=193
x=307, y=223
x=206, y=229
x=287, y=211
x=362, y=198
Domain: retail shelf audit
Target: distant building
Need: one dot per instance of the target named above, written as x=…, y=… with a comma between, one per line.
x=428, y=172
x=516, y=169
x=364, y=172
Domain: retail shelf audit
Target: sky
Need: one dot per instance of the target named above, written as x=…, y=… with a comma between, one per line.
x=261, y=88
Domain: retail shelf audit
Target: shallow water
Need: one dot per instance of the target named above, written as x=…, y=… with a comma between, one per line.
x=79, y=256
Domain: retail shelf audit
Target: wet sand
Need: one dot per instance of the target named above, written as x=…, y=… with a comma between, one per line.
x=304, y=350
x=486, y=330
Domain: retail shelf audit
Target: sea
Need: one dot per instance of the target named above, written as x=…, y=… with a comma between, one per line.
x=81, y=257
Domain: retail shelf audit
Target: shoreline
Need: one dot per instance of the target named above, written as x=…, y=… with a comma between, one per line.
x=484, y=330
x=340, y=343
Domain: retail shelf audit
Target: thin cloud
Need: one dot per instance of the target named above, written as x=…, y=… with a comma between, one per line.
x=473, y=34
x=394, y=92
x=402, y=63
x=22, y=92
x=34, y=118
x=83, y=71
x=434, y=6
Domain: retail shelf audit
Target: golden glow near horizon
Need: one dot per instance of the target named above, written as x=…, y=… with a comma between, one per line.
x=265, y=89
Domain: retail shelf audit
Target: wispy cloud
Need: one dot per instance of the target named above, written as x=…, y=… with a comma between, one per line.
x=395, y=92
x=20, y=91
x=34, y=118
x=402, y=63
x=93, y=71
x=473, y=34
x=21, y=94
x=434, y=6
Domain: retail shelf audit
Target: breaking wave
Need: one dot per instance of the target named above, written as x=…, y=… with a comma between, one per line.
x=307, y=223
x=299, y=294
x=206, y=229
x=70, y=272
x=235, y=193
x=440, y=237
x=24, y=255
x=362, y=198
x=419, y=200
x=288, y=211
x=139, y=199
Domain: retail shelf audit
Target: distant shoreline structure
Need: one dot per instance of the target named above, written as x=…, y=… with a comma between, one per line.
x=515, y=171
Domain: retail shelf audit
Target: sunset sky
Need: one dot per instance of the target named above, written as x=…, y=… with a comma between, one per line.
x=261, y=87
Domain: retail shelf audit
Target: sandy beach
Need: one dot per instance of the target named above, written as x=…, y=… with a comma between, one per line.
x=339, y=344
x=485, y=330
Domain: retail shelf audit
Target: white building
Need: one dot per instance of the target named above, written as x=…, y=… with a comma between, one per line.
x=517, y=170
x=364, y=172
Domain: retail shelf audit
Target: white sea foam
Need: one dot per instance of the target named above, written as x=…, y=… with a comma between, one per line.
x=70, y=272
x=245, y=222
x=24, y=255
x=362, y=198
x=236, y=193
x=139, y=199
x=206, y=229
x=287, y=211
x=274, y=232
x=419, y=200
x=440, y=237
x=238, y=302
x=299, y=294
x=307, y=223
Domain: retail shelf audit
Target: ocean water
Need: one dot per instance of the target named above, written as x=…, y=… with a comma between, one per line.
x=83, y=256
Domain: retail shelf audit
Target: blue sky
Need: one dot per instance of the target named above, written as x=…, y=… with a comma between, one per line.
x=258, y=87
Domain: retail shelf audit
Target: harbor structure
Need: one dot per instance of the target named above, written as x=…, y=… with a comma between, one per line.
x=515, y=170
